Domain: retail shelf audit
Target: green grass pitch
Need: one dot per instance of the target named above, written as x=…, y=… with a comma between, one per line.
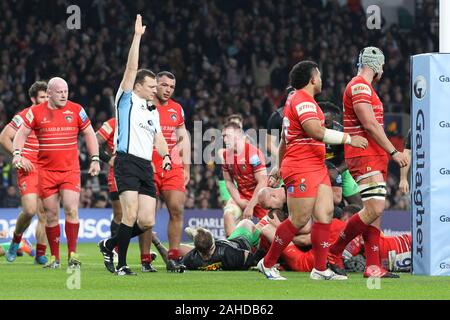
x=23, y=280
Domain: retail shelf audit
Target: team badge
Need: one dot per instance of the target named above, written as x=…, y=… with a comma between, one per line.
x=369, y=169
x=150, y=122
x=24, y=186
x=69, y=119
x=173, y=117
x=243, y=167
x=302, y=186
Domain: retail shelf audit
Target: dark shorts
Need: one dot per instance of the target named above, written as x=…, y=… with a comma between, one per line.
x=134, y=174
x=242, y=243
x=114, y=196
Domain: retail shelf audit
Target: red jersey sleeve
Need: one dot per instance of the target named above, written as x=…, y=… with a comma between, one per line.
x=181, y=116
x=257, y=161
x=29, y=121
x=106, y=130
x=305, y=111
x=16, y=122
x=83, y=119
x=360, y=93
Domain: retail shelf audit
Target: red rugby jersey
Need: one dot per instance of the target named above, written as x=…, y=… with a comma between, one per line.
x=302, y=151
x=357, y=91
x=242, y=168
x=57, y=132
x=171, y=117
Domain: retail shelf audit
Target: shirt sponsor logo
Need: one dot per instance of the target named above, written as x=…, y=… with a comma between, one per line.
x=146, y=127
x=83, y=115
x=444, y=79
x=17, y=120
x=107, y=128
x=45, y=120
x=255, y=161
x=305, y=107
x=361, y=88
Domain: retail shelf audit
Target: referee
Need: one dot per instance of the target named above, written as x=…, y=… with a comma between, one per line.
x=138, y=129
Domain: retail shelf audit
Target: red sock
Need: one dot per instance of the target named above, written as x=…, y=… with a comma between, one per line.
x=40, y=249
x=355, y=246
x=17, y=238
x=372, y=246
x=284, y=234
x=355, y=226
x=320, y=239
x=264, y=244
x=53, y=235
x=146, y=258
x=174, y=254
x=72, y=236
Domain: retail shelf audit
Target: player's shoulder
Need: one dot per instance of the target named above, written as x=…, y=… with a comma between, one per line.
x=18, y=118
x=109, y=126
x=358, y=85
x=73, y=105
x=174, y=103
x=111, y=122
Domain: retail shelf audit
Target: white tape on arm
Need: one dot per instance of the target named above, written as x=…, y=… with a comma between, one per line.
x=336, y=137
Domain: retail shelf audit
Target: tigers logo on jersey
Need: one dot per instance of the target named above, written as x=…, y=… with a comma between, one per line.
x=174, y=117
x=69, y=119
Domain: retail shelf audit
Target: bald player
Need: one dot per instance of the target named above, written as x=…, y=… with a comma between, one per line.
x=57, y=123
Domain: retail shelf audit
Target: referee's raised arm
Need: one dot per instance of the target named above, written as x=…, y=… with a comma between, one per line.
x=131, y=69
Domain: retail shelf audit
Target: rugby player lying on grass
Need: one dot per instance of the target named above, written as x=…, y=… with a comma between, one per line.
x=395, y=252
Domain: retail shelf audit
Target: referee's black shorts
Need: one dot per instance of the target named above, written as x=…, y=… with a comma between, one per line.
x=134, y=174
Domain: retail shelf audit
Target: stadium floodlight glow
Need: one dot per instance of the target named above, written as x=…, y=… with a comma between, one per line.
x=444, y=26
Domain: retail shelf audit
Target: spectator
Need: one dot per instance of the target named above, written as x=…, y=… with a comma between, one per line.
x=12, y=198
x=228, y=57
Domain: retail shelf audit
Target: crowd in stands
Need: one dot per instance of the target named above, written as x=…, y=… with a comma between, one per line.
x=229, y=57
